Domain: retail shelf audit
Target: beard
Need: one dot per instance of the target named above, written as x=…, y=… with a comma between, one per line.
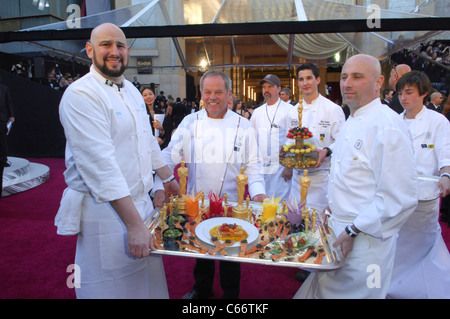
x=113, y=73
x=267, y=96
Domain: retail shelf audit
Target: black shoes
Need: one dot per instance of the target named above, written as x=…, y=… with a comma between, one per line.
x=194, y=294
x=301, y=275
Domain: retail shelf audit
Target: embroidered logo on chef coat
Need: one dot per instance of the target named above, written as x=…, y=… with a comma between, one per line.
x=322, y=136
x=325, y=123
x=427, y=145
x=358, y=144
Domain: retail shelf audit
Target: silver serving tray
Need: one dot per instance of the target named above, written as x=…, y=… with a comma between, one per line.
x=332, y=260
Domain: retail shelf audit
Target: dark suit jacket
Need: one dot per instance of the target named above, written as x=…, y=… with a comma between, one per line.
x=395, y=104
x=6, y=106
x=432, y=107
x=168, y=129
x=178, y=113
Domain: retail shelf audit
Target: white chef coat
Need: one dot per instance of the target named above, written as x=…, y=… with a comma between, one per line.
x=272, y=123
x=373, y=184
x=430, y=132
x=110, y=154
x=324, y=119
x=214, y=151
x=422, y=261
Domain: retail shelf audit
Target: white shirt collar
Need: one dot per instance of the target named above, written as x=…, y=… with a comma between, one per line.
x=316, y=100
x=104, y=80
x=204, y=114
x=363, y=110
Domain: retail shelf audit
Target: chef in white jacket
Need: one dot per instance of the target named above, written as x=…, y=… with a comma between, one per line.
x=422, y=261
x=215, y=143
x=372, y=189
x=324, y=119
x=272, y=122
x=110, y=156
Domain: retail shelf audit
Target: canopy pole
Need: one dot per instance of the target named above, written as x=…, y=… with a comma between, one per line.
x=218, y=11
x=174, y=40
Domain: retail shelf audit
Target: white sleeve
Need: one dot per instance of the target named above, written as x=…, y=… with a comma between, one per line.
x=87, y=130
x=392, y=163
x=443, y=141
x=253, y=166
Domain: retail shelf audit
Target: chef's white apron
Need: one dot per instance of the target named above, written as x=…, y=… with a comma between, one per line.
x=365, y=275
x=422, y=261
x=276, y=186
x=107, y=270
x=317, y=190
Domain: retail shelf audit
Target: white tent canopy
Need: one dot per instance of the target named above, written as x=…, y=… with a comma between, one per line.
x=149, y=20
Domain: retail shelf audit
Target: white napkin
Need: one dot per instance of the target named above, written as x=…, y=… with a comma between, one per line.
x=68, y=218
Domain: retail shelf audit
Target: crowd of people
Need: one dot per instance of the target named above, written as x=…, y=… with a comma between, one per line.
x=58, y=81
x=438, y=54
x=435, y=100
x=23, y=68
x=54, y=77
x=123, y=145
x=165, y=113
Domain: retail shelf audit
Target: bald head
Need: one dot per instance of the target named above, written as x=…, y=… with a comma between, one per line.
x=108, y=51
x=361, y=81
x=436, y=98
x=396, y=73
x=372, y=64
x=109, y=28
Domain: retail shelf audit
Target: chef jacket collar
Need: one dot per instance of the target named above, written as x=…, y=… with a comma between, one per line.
x=105, y=80
x=315, y=101
x=419, y=115
x=111, y=83
x=204, y=114
x=366, y=109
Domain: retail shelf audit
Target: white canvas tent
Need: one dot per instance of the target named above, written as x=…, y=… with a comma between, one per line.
x=306, y=29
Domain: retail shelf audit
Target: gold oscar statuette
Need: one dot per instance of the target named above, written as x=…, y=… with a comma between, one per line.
x=240, y=211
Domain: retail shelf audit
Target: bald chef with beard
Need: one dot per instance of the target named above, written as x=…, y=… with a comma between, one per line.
x=110, y=156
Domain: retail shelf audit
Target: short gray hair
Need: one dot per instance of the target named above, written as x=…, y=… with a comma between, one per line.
x=225, y=78
x=288, y=92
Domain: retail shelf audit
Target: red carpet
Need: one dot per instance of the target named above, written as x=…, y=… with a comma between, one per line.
x=34, y=258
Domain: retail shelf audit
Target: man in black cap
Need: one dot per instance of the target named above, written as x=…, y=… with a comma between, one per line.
x=272, y=121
